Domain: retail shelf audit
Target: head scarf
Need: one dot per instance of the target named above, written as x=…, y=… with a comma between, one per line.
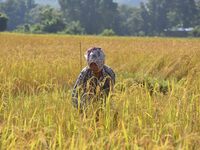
x=95, y=55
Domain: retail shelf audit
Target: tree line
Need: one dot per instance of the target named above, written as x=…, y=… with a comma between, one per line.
x=153, y=18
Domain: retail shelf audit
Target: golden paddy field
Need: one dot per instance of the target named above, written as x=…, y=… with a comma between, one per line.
x=157, y=93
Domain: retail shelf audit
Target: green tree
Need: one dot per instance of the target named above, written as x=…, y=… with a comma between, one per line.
x=124, y=14
x=30, y=4
x=74, y=28
x=196, y=31
x=46, y=19
x=197, y=13
x=71, y=9
x=157, y=14
x=146, y=22
x=93, y=15
x=131, y=20
x=17, y=11
x=108, y=32
x=182, y=13
x=90, y=17
x=188, y=12
x=110, y=15
x=3, y=22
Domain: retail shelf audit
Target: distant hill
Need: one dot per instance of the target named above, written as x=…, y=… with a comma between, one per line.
x=55, y=2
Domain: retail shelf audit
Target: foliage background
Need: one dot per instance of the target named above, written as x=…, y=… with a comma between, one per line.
x=149, y=18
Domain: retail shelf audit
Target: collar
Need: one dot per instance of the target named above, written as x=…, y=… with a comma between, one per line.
x=103, y=74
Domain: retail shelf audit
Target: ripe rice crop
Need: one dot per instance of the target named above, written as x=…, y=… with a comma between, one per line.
x=157, y=93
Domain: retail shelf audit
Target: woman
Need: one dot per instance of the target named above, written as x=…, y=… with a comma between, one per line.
x=95, y=81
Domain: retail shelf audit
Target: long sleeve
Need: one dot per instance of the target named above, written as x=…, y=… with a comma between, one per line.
x=109, y=80
x=78, y=87
x=111, y=73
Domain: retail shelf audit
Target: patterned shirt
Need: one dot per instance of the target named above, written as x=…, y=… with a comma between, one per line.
x=88, y=87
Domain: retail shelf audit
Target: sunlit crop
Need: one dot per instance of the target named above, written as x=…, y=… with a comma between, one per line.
x=157, y=93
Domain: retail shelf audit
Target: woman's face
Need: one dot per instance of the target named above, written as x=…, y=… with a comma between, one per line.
x=94, y=67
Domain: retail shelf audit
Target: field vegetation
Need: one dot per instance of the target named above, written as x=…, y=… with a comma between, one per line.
x=157, y=93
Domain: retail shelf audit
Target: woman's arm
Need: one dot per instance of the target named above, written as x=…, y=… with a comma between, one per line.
x=78, y=88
